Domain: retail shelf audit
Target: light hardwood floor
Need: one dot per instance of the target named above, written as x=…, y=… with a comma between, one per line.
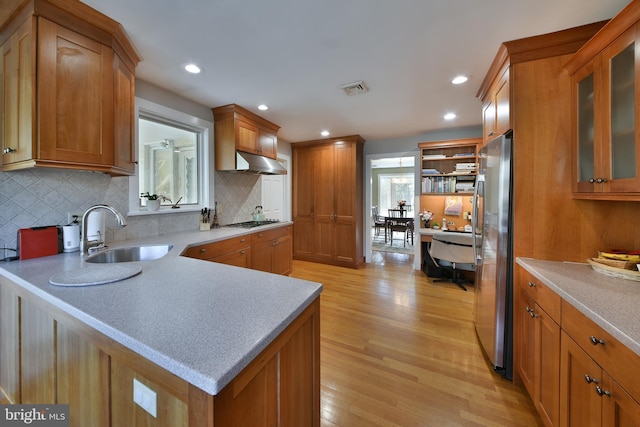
x=398, y=350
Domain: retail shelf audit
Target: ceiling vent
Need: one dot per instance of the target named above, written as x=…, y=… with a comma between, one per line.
x=354, y=88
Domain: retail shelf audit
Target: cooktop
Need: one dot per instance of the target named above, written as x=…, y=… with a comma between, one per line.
x=251, y=224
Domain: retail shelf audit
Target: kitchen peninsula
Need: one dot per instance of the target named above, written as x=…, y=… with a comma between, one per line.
x=219, y=345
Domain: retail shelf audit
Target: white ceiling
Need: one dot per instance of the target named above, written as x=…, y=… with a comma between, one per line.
x=294, y=55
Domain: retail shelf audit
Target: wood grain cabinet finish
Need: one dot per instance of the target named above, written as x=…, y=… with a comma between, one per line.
x=268, y=250
x=537, y=352
x=576, y=373
x=328, y=201
x=237, y=128
x=68, y=81
x=50, y=357
x=495, y=108
x=605, y=78
x=272, y=250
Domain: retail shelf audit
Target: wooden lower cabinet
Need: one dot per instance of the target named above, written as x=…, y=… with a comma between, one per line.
x=575, y=372
x=64, y=361
x=537, y=355
x=268, y=250
x=272, y=251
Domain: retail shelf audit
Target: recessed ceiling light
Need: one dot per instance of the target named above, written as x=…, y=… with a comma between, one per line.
x=449, y=116
x=263, y=107
x=192, y=68
x=325, y=133
x=458, y=80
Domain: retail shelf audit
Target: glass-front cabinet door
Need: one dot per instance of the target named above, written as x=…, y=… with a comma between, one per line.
x=620, y=162
x=586, y=128
x=606, y=94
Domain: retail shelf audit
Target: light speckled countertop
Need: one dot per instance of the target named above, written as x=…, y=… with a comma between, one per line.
x=613, y=304
x=200, y=320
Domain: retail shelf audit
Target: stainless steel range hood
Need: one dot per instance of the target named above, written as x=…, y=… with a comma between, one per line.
x=253, y=163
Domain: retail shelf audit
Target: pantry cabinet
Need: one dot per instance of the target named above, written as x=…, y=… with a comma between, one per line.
x=68, y=90
x=605, y=78
x=328, y=201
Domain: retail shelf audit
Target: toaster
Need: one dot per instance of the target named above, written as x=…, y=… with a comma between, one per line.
x=37, y=242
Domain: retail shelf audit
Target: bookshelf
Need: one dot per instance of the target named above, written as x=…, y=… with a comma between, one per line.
x=449, y=167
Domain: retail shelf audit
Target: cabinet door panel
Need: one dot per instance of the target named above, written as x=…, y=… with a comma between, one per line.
x=75, y=97
x=282, y=255
x=16, y=95
x=82, y=379
x=620, y=155
x=547, y=367
x=124, y=100
x=619, y=409
x=586, y=129
x=580, y=405
x=525, y=353
x=37, y=353
x=247, y=135
x=10, y=339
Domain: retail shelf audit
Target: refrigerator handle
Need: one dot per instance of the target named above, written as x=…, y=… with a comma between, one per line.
x=474, y=218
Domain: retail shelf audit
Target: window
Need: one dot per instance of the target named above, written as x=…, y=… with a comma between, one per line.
x=173, y=159
x=394, y=187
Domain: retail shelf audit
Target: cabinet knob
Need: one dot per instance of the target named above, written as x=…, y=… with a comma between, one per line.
x=491, y=133
x=597, y=180
x=203, y=250
x=242, y=240
x=596, y=341
x=243, y=252
x=8, y=150
x=589, y=379
x=602, y=392
x=531, y=284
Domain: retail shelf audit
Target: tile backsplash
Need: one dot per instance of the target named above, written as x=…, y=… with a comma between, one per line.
x=38, y=196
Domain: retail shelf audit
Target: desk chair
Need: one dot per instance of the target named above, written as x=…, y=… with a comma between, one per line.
x=455, y=248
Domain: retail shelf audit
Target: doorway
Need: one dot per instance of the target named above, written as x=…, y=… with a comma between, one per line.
x=390, y=179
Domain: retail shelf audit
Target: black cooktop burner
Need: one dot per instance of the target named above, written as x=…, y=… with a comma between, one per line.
x=251, y=224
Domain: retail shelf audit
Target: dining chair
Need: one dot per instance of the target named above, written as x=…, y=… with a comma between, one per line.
x=396, y=221
x=378, y=221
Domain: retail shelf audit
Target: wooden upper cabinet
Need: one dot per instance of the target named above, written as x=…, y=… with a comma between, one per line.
x=237, y=128
x=605, y=76
x=17, y=123
x=75, y=97
x=68, y=90
x=495, y=108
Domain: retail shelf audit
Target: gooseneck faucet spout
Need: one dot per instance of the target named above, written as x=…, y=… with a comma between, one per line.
x=86, y=244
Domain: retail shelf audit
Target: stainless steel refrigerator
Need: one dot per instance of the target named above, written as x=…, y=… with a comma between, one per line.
x=493, y=244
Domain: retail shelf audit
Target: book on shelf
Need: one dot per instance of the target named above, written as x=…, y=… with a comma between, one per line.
x=464, y=155
x=465, y=166
x=433, y=156
x=431, y=172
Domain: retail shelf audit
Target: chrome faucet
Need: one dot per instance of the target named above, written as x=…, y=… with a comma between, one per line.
x=85, y=244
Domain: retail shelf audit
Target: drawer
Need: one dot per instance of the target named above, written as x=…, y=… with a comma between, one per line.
x=211, y=250
x=612, y=356
x=546, y=298
x=271, y=234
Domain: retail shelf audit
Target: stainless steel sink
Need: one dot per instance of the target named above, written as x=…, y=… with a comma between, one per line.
x=131, y=253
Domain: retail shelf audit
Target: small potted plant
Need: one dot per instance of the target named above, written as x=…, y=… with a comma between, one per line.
x=153, y=200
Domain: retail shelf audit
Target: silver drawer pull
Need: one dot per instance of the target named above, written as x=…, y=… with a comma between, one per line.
x=531, y=284
x=9, y=150
x=602, y=392
x=596, y=341
x=589, y=379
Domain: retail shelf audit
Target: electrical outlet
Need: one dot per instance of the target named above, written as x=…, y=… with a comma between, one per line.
x=144, y=397
x=70, y=216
